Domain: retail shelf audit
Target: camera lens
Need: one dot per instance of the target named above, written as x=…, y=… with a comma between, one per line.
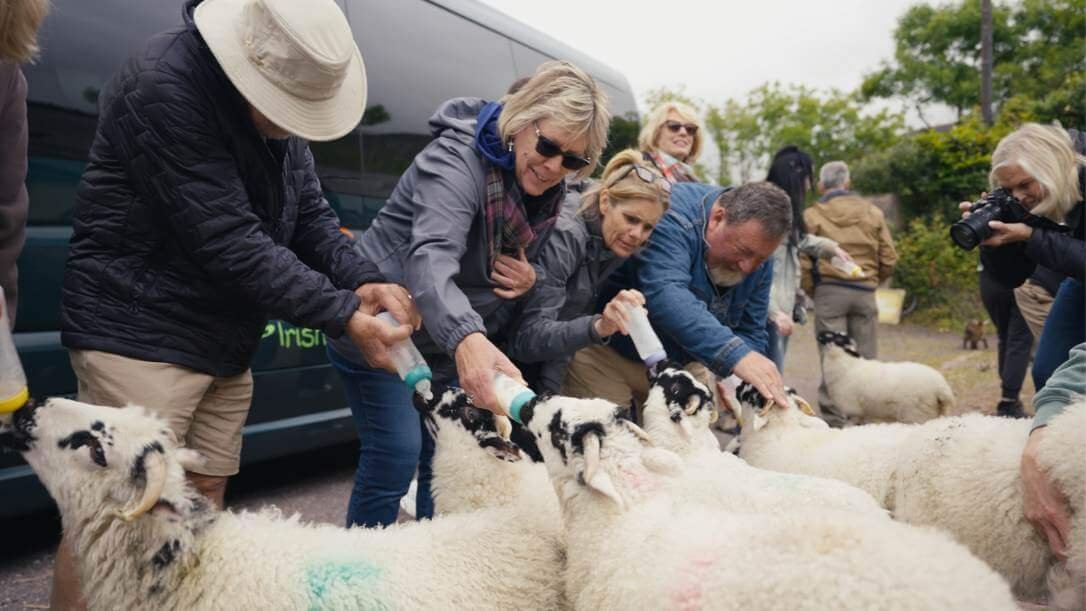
x=964, y=236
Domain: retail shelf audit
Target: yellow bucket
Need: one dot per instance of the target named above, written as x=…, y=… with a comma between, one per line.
x=890, y=302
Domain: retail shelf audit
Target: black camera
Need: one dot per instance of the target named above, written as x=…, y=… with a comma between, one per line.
x=1000, y=205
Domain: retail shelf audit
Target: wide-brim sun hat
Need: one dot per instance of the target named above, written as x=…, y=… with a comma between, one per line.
x=296, y=62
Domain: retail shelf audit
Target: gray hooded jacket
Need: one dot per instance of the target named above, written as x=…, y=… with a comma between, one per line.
x=431, y=236
x=555, y=319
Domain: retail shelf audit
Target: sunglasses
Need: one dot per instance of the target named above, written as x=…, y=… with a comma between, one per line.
x=675, y=126
x=646, y=175
x=547, y=148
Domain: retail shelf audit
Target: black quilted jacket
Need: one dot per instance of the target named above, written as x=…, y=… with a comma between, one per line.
x=190, y=229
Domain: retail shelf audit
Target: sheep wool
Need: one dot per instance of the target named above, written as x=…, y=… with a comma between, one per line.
x=959, y=474
x=618, y=508
x=144, y=539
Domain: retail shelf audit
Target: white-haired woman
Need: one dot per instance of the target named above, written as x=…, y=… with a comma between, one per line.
x=1044, y=168
x=475, y=206
x=671, y=140
x=595, y=235
x=19, y=22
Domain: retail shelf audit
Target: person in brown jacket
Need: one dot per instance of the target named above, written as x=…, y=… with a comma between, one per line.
x=19, y=22
x=844, y=301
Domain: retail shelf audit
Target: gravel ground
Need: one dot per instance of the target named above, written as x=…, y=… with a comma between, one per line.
x=317, y=485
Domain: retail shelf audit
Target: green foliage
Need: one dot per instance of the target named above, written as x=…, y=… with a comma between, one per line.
x=1038, y=53
x=829, y=125
x=931, y=171
x=941, y=276
x=622, y=135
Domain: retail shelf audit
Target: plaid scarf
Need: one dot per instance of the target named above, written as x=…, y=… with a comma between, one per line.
x=672, y=169
x=507, y=220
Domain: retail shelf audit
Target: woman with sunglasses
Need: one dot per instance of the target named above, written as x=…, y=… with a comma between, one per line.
x=594, y=235
x=671, y=141
x=473, y=208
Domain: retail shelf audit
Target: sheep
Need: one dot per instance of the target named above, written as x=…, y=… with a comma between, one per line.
x=476, y=467
x=875, y=391
x=960, y=474
x=634, y=542
x=167, y=548
x=677, y=416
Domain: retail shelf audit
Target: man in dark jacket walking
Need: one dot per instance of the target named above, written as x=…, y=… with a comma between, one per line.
x=200, y=216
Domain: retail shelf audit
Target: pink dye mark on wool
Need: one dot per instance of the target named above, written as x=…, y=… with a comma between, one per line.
x=690, y=593
x=637, y=477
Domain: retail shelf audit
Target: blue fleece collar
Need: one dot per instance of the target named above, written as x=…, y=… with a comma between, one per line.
x=487, y=139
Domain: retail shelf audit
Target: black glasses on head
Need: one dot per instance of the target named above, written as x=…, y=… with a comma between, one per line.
x=646, y=175
x=548, y=148
x=675, y=126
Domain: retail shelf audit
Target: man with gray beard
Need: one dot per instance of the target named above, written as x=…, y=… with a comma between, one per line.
x=706, y=274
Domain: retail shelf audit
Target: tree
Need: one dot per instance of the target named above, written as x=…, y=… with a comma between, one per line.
x=1038, y=52
x=829, y=126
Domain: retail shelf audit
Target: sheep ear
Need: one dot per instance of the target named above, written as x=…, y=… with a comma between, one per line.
x=594, y=477
x=190, y=459
x=504, y=427
x=686, y=428
x=759, y=420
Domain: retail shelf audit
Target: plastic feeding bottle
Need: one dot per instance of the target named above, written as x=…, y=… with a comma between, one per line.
x=644, y=338
x=848, y=268
x=13, y=391
x=409, y=363
x=511, y=394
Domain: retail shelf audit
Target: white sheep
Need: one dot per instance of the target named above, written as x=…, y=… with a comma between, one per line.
x=144, y=539
x=960, y=474
x=475, y=466
x=877, y=391
x=635, y=543
x=677, y=416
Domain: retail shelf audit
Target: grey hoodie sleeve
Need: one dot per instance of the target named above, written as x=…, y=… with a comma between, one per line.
x=446, y=201
x=538, y=335
x=14, y=203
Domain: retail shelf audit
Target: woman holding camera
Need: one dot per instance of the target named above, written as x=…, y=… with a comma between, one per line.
x=1044, y=168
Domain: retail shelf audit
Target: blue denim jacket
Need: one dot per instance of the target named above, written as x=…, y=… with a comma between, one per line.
x=696, y=321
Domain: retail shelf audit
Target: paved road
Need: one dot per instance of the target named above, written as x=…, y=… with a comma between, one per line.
x=316, y=485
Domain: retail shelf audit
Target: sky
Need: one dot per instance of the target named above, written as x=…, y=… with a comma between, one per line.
x=722, y=49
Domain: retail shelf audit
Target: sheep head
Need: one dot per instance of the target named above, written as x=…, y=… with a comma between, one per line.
x=840, y=340
x=756, y=410
x=679, y=408
x=589, y=444
x=92, y=457
x=452, y=418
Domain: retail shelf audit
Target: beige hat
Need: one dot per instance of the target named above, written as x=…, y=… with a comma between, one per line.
x=295, y=61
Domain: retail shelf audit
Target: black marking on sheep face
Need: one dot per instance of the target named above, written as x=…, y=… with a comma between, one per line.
x=581, y=430
x=166, y=554
x=527, y=412
x=681, y=390
x=833, y=338
x=19, y=437
x=98, y=425
x=139, y=469
x=523, y=439
x=501, y=448
x=559, y=435
x=79, y=439
x=748, y=395
x=662, y=368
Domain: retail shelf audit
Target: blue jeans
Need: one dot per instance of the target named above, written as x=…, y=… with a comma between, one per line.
x=1064, y=329
x=778, y=345
x=394, y=442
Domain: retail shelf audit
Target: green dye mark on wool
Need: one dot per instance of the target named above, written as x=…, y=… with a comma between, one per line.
x=335, y=578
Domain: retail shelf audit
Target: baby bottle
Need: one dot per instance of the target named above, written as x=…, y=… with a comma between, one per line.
x=644, y=338
x=511, y=394
x=13, y=392
x=409, y=363
x=849, y=268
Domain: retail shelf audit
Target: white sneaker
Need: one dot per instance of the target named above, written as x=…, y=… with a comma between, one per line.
x=407, y=503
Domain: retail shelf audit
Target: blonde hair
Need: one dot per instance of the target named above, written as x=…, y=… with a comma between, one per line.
x=650, y=133
x=566, y=95
x=1044, y=152
x=622, y=184
x=19, y=23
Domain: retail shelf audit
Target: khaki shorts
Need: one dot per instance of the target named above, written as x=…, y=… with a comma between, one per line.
x=599, y=371
x=206, y=413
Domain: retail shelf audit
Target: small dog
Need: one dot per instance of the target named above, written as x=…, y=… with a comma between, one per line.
x=974, y=334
